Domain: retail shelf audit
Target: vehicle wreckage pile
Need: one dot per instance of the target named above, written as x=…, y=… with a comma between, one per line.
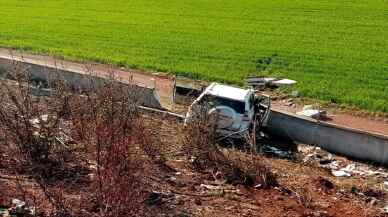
x=95, y=153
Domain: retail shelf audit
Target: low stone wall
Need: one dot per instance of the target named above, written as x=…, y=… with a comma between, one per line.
x=147, y=96
x=345, y=141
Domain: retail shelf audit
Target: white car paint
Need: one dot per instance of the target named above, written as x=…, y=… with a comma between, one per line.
x=230, y=121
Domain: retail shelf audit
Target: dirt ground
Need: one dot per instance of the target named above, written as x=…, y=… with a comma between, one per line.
x=305, y=187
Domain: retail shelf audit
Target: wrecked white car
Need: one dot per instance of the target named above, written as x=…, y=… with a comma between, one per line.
x=236, y=109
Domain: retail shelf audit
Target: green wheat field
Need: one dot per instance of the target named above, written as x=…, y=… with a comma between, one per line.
x=336, y=49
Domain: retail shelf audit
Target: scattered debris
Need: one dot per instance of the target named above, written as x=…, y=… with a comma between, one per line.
x=19, y=208
x=339, y=167
x=275, y=151
x=36, y=121
x=340, y=173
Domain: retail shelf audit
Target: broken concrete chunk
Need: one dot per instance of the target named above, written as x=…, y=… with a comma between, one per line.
x=313, y=113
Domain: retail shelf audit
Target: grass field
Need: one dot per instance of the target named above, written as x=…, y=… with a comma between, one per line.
x=337, y=50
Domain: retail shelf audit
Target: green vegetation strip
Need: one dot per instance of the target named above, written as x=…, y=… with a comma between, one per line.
x=337, y=50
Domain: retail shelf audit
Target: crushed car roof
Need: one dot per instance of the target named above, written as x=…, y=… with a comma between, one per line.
x=228, y=92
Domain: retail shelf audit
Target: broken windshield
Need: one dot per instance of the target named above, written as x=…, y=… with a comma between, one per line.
x=213, y=101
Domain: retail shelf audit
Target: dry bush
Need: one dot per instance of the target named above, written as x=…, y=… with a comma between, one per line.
x=34, y=129
x=200, y=144
x=199, y=138
x=33, y=124
x=107, y=122
x=249, y=169
x=104, y=125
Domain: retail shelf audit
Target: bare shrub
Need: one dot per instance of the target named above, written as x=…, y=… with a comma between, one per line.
x=199, y=138
x=103, y=123
x=107, y=122
x=200, y=144
x=33, y=128
x=32, y=124
x=122, y=193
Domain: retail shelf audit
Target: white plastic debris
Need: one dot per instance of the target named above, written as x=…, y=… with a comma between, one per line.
x=349, y=168
x=36, y=121
x=340, y=173
x=283, y=82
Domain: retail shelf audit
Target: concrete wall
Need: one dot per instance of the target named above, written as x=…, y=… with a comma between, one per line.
x=147, y=96
x=348, y=142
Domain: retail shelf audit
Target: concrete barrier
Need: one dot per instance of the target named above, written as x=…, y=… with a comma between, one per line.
x=337, y=139
x=78, y=80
